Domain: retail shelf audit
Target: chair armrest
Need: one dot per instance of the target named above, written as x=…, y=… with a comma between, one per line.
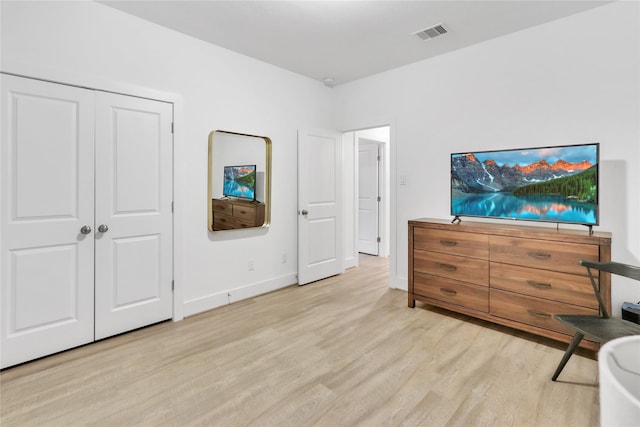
x=620, y=269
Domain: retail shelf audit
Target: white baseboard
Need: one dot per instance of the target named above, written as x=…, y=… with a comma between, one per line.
x=229, y=296
x=400, y=283
x=350, y=263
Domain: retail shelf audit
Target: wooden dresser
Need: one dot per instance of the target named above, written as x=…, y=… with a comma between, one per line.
x=514, y=275
x=230, y=214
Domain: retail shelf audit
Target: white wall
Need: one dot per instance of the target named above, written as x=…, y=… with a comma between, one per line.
x=91, y=44
x=574, y=80
x=349, y=195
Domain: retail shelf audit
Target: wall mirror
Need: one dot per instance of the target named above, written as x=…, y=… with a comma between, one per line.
x=239, y=187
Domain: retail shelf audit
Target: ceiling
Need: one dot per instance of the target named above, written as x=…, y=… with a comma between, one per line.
x=347, y=40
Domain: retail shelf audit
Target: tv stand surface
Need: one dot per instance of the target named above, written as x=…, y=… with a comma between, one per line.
x=514, y=275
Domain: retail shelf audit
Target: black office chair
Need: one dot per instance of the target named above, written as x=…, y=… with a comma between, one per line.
x=601, y=328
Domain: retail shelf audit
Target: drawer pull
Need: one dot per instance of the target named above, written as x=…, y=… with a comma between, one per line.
x=448, y=291
x=538, y=313
x=539, y=255
x=539, y=285
x=447, y=267
x=448, y=243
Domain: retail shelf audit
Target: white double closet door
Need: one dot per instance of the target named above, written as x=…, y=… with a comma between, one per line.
x=86, y=216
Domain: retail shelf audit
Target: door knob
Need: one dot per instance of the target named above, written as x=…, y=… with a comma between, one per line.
x=85, y=229
x=304, y=212
x=103, y=228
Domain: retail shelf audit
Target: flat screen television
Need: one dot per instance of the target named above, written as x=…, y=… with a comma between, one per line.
x=240, y=182
x=552, y=184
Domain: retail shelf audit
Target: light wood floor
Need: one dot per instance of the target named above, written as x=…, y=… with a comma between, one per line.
x=345, y=351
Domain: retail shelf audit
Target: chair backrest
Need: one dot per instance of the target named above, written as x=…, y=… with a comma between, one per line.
x=620, y=269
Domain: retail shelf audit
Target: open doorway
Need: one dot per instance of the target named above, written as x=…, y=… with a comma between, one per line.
x=369, y=204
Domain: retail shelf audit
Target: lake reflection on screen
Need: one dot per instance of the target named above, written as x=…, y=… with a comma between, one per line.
x=237, y=189
x=508, y=206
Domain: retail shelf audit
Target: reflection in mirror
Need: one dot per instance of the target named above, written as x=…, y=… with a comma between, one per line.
x=239, y=181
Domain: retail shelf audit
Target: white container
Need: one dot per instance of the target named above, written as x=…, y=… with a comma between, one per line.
x=619, y=371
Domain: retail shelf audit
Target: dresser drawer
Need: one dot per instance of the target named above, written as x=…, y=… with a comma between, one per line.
x=551, y=285
x=223, y=221
x=222, y=206
x=533, y=311
x=452, y=267
x=244, y=211
x=452, y=291
x=465, y=244
x=245, y=223
x=557, y=256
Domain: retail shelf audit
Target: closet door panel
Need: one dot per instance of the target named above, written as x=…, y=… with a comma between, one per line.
x=46, y=180
x=134, y=196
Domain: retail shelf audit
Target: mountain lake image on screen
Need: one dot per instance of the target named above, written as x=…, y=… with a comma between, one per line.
x=551, y=184
x=240, y=181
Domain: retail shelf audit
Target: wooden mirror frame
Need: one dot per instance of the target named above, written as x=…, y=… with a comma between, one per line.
x=243, y=209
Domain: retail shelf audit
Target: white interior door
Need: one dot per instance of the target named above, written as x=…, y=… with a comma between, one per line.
x=368, y=197
x=133, y=213
x=47, y=179
x=320, y=234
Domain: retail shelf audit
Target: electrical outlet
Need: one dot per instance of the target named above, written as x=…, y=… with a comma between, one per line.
x=251, y=266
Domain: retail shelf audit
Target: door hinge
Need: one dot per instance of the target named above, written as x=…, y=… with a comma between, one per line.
x=172, y=207
x=173, y=285
x=171, y=127
x=379, y=158
x=379, y=199
x=378, y=240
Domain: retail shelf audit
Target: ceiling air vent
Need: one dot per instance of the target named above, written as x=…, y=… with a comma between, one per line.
x=431, y=32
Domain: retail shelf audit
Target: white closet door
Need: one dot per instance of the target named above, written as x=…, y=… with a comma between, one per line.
x=133, y=199
x=46, y=181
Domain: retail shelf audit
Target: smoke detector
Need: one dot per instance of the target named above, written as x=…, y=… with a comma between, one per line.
x=431, y=32
x=329, y=81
